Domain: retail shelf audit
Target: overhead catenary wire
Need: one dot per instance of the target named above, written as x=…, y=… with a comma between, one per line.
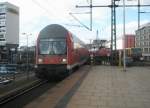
x=42, y=7
x=79, y=21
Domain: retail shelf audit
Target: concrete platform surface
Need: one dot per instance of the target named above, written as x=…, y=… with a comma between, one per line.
x=100, y=87
x=60, y=95
x=110, y=87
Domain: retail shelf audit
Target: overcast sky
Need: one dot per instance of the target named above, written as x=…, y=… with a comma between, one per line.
x=36, y=14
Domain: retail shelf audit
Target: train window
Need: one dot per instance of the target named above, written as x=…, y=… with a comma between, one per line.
x=53, y=47
x=77, y=43
x=44, y=47
x=59, y=47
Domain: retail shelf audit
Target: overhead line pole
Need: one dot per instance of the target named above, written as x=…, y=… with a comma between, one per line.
x=91, y=15
x=138, y=14
x=113, y=29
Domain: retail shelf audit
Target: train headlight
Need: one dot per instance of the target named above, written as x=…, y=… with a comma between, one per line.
x=64, y=60
x=40, y=60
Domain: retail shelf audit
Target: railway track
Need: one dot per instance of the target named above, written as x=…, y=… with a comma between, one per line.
x=20, y=91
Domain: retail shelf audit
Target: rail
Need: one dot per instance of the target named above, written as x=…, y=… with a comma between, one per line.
x=20, y=91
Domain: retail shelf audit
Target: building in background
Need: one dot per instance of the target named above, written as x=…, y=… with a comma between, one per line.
x=142, y=40
x=129, y=41
x=9, y=31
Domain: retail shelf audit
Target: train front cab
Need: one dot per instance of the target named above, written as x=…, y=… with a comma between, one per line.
x=51, y=58
x=58, y=52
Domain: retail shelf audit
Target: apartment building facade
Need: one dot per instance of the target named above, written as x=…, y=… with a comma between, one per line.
x=9, y=24
x=142, y=40
x=9, y=29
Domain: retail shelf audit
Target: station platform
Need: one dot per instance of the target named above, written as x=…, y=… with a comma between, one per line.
x=100, y=87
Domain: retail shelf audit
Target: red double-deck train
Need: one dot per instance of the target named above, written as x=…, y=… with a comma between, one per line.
x=58, y=52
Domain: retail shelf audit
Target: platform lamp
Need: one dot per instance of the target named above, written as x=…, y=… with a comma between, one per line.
x=27, y=69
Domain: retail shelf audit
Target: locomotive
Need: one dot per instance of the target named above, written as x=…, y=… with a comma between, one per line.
x=58, y=52
x=101, y=56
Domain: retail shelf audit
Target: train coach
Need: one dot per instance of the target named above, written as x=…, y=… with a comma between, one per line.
x=58, y=52
x=135, y=53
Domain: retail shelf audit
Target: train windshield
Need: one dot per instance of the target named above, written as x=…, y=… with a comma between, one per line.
x=52, y=46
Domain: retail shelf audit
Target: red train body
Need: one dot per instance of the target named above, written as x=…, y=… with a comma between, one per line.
x=103, y=52
x=58, y=51
x=101, y=55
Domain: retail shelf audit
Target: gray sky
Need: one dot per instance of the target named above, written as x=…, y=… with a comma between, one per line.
x=36, y=14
